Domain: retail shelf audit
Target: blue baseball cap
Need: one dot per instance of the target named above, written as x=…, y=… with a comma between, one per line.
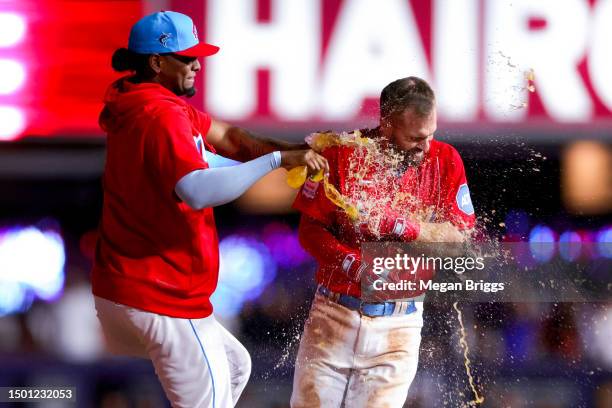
x=168, y=31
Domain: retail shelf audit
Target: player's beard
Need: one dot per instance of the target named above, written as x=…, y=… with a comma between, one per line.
x=414, y=157
x=186, y=92
x=189, y=92
x=409, y=158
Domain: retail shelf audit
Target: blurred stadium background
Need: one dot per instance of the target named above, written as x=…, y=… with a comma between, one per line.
x=539, y=166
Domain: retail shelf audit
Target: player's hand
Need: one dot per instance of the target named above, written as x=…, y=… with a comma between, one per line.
x=440, y=232
x=309, y=158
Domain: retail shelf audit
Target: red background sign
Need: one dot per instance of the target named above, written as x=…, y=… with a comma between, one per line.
x=59, y=68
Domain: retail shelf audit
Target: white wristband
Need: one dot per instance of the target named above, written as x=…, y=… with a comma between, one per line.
x=277, y=159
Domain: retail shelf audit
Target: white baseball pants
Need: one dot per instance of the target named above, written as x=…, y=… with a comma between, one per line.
x=198, y=362
x=349, y=360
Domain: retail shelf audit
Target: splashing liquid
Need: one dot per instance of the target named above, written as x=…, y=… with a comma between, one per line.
x=320, y=141
x=478, y=399
x=529, y=86
x=293, y=341
x=359, y=202
x=297, y=176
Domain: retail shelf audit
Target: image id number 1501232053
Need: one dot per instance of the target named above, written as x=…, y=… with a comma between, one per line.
x=32, y=394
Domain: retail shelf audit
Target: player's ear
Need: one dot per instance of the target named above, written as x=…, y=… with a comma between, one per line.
x=155, y=62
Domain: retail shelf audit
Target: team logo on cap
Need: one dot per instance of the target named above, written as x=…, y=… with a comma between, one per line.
x=163, y=39
x=195, y=33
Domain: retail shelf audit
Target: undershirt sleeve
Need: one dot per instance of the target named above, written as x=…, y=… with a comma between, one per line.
x=212, y=187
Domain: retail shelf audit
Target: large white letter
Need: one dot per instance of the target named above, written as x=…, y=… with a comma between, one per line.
x=600, y=57
x=455, y=58
x=553, y=51
x=288, y=46
x=374, y=43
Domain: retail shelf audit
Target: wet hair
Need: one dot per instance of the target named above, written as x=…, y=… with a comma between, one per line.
x=407, y=93
x=126, y=60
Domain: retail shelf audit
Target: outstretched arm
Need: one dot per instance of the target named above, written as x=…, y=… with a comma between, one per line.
x=212, y=187
x=238, y=144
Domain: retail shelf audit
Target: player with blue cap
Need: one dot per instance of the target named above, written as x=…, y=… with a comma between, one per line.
x=157, y=256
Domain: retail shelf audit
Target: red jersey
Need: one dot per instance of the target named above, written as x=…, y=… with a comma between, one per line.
x=436, y=190
x=154, y=252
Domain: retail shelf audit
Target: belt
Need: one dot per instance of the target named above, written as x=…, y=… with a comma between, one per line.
x=369, y=309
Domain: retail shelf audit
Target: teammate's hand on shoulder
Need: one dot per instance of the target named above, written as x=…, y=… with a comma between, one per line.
x=308, y=157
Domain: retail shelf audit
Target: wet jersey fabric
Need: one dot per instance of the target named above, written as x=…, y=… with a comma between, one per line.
x=436, y=190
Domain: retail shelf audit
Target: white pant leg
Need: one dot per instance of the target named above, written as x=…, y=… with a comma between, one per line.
x=189, y=355
x=386, y=360
x=120, y=335
x=239, y=362
x=325, y=355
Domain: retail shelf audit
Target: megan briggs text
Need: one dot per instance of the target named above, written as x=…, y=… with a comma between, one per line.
x=468, y=284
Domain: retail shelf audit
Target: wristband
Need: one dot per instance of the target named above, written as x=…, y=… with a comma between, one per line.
x=401, y=227
x=406, y=229
x=276, y=159
x=353, y=267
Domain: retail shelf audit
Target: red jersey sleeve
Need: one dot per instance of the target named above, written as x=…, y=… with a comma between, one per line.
x=311, y=199
x=319, y=242
x=205, y=121
x=170, y=149
x=457, y=203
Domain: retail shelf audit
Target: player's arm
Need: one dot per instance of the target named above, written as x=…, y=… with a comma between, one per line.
x=407, y=229
x=238, y=144
x=321, y=243
x=440, y=232
x=457, y=218
x=212, y=187
x=315, y=232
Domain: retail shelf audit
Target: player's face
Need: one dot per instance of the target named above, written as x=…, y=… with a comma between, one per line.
x=411, y=133
x=178, y=73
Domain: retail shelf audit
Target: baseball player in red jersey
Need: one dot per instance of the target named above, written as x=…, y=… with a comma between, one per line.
x=357, y=354
x=157, y=257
